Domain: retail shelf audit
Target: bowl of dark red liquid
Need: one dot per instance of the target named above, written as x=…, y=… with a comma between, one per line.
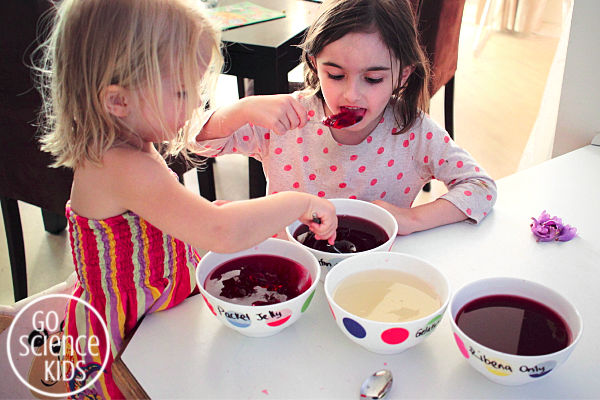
x=362, y=227
x=261, y=290
x=514, y=331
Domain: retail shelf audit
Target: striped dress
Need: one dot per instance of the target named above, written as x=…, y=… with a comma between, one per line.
x=126, y=268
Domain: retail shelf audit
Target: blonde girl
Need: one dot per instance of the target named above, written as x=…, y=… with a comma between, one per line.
x=119, y=77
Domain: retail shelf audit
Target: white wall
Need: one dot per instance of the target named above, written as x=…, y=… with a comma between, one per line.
x=579, y=108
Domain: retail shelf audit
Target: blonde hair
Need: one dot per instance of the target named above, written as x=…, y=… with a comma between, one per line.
x=130, y=43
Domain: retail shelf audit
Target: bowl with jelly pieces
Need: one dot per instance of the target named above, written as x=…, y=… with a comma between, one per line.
x=363, y=227
x=261, y=290
x=387, y=302
x=513, y=331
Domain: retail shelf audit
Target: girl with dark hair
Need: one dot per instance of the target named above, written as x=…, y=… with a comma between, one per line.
x=358, y=129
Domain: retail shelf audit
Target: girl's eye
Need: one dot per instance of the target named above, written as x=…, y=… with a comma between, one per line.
x=374, y=80
x=335, y=77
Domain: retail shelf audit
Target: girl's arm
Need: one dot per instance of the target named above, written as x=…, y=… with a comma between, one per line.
x=426, y=216
x=278, y=113
x=436, y=156
x=145, y=186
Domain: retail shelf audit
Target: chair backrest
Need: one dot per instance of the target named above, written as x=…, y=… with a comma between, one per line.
x=439, y=24
x=24, y=171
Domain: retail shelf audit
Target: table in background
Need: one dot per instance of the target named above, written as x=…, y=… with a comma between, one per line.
x=266, y=52
x=187, y=352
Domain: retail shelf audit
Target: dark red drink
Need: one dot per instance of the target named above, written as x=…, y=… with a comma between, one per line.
x=258, y=280
x=362, y=233
x=514, y=325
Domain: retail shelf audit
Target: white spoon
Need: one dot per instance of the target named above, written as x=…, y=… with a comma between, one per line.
x=377, y=386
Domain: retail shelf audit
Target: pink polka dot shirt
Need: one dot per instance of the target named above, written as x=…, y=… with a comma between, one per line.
x=384, y=166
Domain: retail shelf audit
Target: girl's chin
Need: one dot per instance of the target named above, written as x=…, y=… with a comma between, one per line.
x=350, y=136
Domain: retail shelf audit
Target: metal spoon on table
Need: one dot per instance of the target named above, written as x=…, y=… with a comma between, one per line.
x=346, y=243
x=377, y=386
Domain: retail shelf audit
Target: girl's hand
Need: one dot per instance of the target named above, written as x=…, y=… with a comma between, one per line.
x=403, y=217
x=324, y=210
x=279, y=113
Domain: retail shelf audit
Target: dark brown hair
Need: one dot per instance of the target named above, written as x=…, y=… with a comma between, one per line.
x=394, y=20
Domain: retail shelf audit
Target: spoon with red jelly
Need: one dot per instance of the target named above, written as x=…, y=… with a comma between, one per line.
x=345, y=118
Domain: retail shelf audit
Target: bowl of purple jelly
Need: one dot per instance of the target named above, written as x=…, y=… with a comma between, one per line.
x=362, y=227
x=259, y=291
x=514, y=331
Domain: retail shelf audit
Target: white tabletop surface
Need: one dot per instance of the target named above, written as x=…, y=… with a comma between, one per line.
x=186, y=352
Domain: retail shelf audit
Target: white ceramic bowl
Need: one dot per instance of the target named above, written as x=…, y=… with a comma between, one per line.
x=504, y=368
x=264, y=320
x=387, y=337
x=356, y=208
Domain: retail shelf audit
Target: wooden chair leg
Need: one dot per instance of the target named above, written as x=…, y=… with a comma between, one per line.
x=16, y=246
x=53, y=223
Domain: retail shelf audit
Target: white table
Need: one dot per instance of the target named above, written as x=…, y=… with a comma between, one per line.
x=186, y=353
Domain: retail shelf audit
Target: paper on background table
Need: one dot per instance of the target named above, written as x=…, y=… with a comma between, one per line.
x=242, y=14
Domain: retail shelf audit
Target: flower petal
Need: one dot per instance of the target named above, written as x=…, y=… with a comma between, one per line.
x=544, y=216
x=567, y=233
x=547, y=228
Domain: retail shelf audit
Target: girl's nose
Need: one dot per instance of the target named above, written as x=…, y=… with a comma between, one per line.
x=352, y=90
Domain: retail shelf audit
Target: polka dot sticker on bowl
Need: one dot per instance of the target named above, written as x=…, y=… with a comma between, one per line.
x=238, y=320
x=354, y=328
x=539, y=370
x=210, y=307
x=461, y=346
x=279, y=317
x=307, y=302
x=394, y=335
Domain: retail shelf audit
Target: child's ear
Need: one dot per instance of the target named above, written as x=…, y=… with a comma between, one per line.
x=115, y=100
x=313, y=62
x=406, y=71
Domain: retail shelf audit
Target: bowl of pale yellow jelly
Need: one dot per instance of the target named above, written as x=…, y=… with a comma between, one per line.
x=387, y=302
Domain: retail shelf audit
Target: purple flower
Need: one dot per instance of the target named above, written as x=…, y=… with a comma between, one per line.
x=546, y=229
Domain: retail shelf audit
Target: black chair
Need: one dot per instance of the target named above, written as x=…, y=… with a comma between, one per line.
x=24, y=171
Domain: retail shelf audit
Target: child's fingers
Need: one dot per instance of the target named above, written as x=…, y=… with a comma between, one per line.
x=300, y=113
x=329, y=237
x=293, y=118
x=281, y=126
x=324, y=231
x=322, y=220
